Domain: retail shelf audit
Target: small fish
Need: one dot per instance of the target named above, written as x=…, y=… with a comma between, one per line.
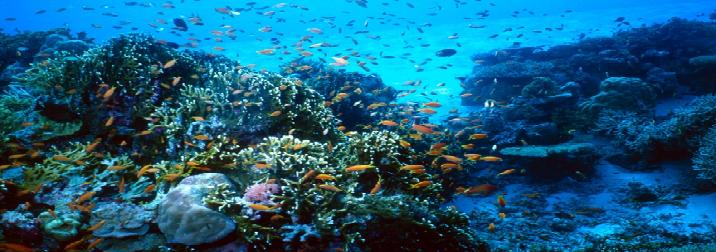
x=421, y=184
x=325, y=177
x=483, y=189
x=428, y=111
x=423, y=129
x=501, y=200
x=261, y=207
x=61, y=158
x=452, y=159
x=502, y=215
x=490, y=159
x=143, y=170
x=506, y=172
x=169, y=64
x=359, y=168
x=478, y=136
x=109, y=121
x=120, y=185
x=432, y=104
x=328, y=187
x=14, y=247
x=308, y=175
x=108, y=94
x=472, y=157
x=149, y=188
x=404, y=143
x=262, y=165
x=376, y=187
x=388, y=123
x=73, y=245
x=491, y=227
x=201, y=137
x=96, y=226
x=412, y=167
x=94, y=243
x=84, y=197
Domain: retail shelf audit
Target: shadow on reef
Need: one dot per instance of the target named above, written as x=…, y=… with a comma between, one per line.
x=134, y=146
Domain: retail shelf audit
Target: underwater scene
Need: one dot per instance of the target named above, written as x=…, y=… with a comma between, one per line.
x=358, y=125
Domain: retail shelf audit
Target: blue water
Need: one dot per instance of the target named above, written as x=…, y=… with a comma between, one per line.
x=394, y=21
x=412, y=32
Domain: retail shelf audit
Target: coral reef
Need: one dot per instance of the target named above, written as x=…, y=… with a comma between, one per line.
x=567, y=159
x=705, y=158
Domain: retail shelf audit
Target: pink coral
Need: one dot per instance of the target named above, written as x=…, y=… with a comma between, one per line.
x=261, y=193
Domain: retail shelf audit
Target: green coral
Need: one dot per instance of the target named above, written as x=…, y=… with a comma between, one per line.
x=62, y=226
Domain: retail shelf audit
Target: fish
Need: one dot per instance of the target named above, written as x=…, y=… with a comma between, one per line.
x=423, y=129
x=502, y=215
x=506, y=172
x=328, y=187
x=108, y=94
x=120, y=185
x=149, y=188
x=428, y=111
x=262, y=165
x=143, y=170
x=478, y=136
x=421, y=184
x=325, y=177
x=412, y=167
x=445, y=53
x=84, y=197
x=491, y=227
x=169, y=64
x=73, y=245
x=261, y=207
x=60, y=158
x=308, y=175
x=483, y=189
x=501, y=200
x=275, y=113
x=359, y=168
x=109, y=121
x=376, y=187
x=94, y=243
x=490, y=159
x=404, y=143
x=14, y=247
x=201, y=137
x=339, y=62
x=432, y=104
x=388, y=123
x=472, y=157
x=96, y=226
x=452, y=159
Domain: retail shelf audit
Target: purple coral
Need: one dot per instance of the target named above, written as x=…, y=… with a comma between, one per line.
x=261, y=193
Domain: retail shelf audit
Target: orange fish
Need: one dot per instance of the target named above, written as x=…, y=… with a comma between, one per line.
x=96, y=226
x=117, y=167
x=325, y=177
x=483, y=189
x=376, y=187
x=265, y=52
x=262, y=165
x=169, y=64
x=432, y=104
x=423, y=129
x=491, y=228
x=261, y=207
x=150, y=188
x=93, y=244
x=506, y=172
x=308, y=175
x=490, y=159
x=478, y=136
x=404, y=143
x=197, y=118
x=73, y=245
x=472, y=157
x=61, y=158
x=412, y=167
x=201, y=137
x=120, y=185
x=428, y=111
x=171, y=176
x=501, y=200
x=109, y=121
x=421, y=184
x=84, y=197
x=328, y=187
x=468, y=146
x=388, y=123
x=452, y=159
x=108, y=94
x=359, y=168
x=14, y=247
x=502, y=215
x=143, y=170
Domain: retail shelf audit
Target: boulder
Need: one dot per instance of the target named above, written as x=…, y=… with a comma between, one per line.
x=183, y=217
x=551, y=162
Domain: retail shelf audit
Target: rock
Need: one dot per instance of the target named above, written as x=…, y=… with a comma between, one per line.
x=183, y=217
x=552, y=162
x=622, y=93
x=703, y=61
x=120, y=220
x=131, y=244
